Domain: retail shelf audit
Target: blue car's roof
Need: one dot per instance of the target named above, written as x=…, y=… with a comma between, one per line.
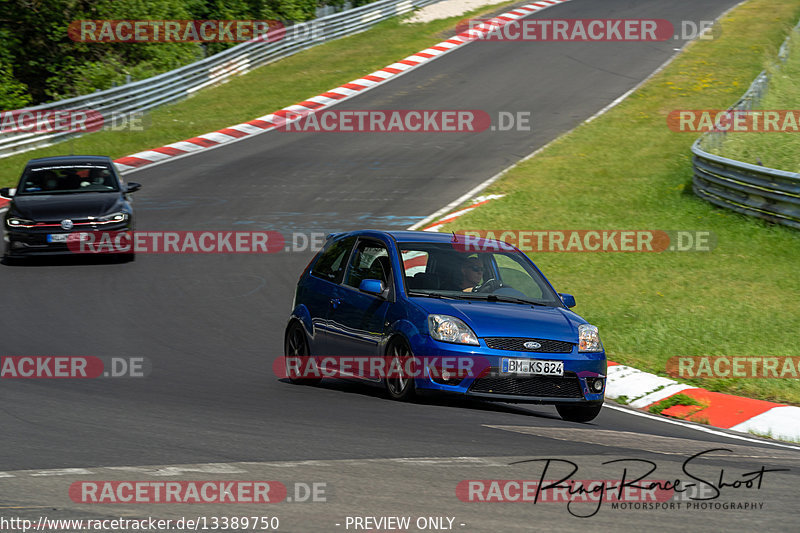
x=421, y=236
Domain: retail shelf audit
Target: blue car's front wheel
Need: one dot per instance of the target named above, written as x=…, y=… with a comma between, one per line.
x=399, y=383
x=579, y=413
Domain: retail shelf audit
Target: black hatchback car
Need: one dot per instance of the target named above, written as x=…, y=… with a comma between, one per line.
x=60, y=199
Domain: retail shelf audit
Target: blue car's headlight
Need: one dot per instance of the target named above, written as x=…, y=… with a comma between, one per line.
x=589, y=339
x=450, y=329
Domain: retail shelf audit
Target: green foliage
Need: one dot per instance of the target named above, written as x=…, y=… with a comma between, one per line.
x=13, y=93
x=772, y=149
x=40, y=63
x=678, y=399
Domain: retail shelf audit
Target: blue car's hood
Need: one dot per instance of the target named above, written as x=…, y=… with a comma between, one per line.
x=500, y=319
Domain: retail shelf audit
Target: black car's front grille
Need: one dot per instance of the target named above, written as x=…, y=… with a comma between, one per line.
x=567, y=386
x=517, y=344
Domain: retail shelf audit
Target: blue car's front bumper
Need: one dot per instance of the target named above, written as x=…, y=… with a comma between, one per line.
x=480, y=375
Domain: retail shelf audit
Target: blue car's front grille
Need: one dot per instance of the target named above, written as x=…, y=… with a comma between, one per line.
x=517, y=344
x=538, y=386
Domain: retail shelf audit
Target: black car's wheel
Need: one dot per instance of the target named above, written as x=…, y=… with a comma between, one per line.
x=579, y=413
x=399, y=384
x=295, y=346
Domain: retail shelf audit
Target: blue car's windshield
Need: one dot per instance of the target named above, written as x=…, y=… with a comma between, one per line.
x=450, y=270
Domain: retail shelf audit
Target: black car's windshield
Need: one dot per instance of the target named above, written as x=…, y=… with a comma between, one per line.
x=59, y=179
x=448, y=270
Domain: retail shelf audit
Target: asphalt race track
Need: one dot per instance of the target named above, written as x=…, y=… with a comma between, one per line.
x=211, y=325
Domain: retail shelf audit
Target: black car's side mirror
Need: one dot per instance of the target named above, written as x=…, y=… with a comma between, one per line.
x=133, y=187
x=6, y=192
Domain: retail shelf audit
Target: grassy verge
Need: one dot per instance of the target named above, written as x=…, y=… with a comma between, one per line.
x=672, y=401
x=259, y=92
x=627, y=170
x=772, y=149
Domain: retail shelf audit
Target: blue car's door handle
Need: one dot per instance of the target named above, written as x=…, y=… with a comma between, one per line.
x=335, y=303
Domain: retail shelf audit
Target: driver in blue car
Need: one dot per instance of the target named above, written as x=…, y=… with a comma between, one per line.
x=471, y=274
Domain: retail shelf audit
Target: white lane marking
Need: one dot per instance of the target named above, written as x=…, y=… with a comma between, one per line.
x=245, y=128
x=217, y=137
x=62, y=472
x=782, y=422
x=150, y=155
x=656, y=396
x=696, y=427
x=208, y=468
x=242, y=467
x=638, y=386
x=184, y=146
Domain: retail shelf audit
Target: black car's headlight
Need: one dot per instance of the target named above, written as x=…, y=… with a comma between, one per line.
x=451, y=329
x=16, y=222
x=112, y=218
x=589, y=339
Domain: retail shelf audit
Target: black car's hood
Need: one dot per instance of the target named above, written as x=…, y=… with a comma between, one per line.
x=41, y=207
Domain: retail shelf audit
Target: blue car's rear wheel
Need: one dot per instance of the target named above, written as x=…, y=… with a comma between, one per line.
x=296, y=347
x=579, y=413
x=399, y=383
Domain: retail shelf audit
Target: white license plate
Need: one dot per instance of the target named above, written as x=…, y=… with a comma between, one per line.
x=532, y=367
x=67, y=237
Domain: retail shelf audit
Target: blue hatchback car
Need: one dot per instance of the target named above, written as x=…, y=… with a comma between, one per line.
x=476, y=316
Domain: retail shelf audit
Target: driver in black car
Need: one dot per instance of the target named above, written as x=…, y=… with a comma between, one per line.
x=471, y=274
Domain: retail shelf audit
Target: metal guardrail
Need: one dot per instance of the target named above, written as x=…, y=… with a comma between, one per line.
x=182, y=82
x=753, y=190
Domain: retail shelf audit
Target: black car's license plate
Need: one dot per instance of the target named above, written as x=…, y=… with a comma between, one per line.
x=67, y=237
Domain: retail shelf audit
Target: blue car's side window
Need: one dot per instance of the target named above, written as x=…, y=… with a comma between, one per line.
x=333, y=261
x=370, y=261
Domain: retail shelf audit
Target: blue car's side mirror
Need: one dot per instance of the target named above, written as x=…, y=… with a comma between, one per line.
x=5, y=192
x=568, y=299
x=372, y=286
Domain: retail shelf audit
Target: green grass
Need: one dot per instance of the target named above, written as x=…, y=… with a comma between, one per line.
x=628, y=170
x=678, y=399
x=773, y=149
x=259, y=92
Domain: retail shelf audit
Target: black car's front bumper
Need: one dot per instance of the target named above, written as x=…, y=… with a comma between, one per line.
x=25, y=242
